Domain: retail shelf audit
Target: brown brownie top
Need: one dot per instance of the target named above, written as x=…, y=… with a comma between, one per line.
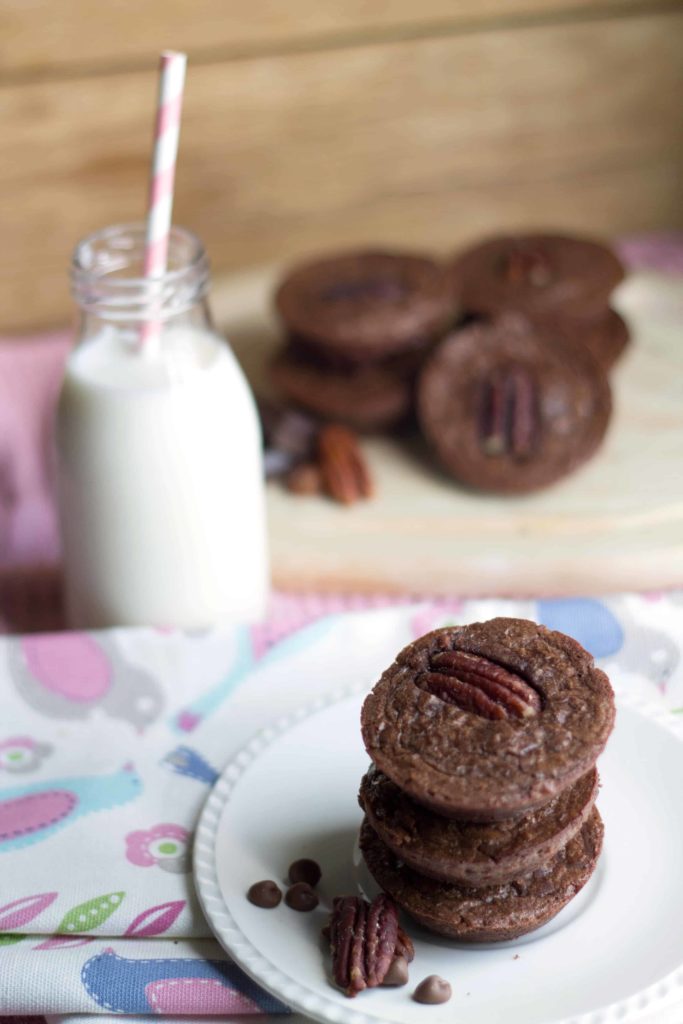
x=489, y=720
x=510, y=407
x=536, y=273
x=366, y=304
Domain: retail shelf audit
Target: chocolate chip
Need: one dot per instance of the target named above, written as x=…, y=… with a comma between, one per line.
x=264, y=894
x=432, y=990
x=397, y=974
x=301, y=897
x=305, y=870
x=288, y=430
x=276, y=464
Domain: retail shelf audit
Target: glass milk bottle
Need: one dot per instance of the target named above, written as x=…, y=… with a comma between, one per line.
x=159, y=464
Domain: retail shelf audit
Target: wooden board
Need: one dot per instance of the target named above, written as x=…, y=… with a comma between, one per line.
x=81, y=34
x=617, y=524
x=424, y=141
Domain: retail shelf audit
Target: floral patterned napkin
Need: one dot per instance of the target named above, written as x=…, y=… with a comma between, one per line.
x=109, y=743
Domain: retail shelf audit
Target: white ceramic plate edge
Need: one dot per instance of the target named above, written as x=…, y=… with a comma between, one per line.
x=300, y=997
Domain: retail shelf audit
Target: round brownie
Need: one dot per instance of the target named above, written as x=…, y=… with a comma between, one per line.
x=509, y=408
x=366, y=304
x=605, y=336
x=490, y=913
x=366, y=398
x=536, y=273
x=490, y=720
x=471, y=853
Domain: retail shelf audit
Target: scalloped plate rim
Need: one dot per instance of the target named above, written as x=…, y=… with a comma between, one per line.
x=296, y=994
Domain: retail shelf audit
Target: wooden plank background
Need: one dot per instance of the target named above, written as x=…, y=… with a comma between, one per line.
x=312, y=124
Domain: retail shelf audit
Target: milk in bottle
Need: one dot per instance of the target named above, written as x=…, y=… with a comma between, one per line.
x=160, y=480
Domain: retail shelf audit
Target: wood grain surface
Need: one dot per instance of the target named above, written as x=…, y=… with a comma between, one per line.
x=423, y=139
x=79, y=34
x=616, y=524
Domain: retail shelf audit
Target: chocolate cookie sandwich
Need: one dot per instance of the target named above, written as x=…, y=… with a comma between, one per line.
x=474, y=853
x=488, y=721
x=491, y=913
x=508, y=408
x=366, y=305
x=536, y=274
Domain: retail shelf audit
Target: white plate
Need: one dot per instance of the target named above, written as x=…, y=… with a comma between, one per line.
x=614, y=954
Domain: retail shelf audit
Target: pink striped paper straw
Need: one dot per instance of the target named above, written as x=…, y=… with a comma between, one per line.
x=160, y=204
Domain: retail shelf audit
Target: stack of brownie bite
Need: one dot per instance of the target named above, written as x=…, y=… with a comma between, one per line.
x=479, y=805
x=358, y=326
x=518, y=396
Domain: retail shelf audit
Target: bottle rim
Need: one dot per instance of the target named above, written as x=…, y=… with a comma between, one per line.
x=100, y=285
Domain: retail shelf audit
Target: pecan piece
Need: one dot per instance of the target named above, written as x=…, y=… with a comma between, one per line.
x=476, y=684
x=404, y=946
x=343, y=468
x=363, y=938
x=305, y=479
x=527, y=264
x=510, y=420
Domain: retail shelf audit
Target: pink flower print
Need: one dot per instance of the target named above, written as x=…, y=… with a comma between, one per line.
x=166, y=845
x=22, y=754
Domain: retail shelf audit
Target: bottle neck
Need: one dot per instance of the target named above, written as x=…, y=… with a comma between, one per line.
x=92, y=322
x=111, y=291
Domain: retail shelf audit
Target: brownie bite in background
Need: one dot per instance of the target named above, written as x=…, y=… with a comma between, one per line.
x=509, y=407
x=560, y=281
x=357, y=325
x=536, y=274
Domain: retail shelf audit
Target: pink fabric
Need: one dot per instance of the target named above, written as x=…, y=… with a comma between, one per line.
x=73, y=667
x=30, y=372
x=661, y=250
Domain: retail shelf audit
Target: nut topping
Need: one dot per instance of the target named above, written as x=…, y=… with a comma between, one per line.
x=476, y=684
x=363, y=940
x=404, y=946
x=509, y=421
x=304, y=479
x=526, y=264
x=342, y=465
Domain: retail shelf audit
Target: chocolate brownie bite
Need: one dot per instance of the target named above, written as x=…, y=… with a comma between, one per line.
x=489, y=913
x=488, y=721
x=471, y=853
x=365, y=305
x=536, y=274
x=367, y=398
x=508, y=408
x=606, y=336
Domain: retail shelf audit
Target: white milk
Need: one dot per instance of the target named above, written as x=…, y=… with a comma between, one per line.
x=160, y=484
